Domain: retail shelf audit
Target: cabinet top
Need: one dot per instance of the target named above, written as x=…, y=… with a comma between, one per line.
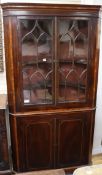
x=48, y=8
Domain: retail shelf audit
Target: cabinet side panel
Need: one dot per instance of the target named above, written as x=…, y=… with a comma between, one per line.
x=9, y=61
x=94, y=45
x=14, y=143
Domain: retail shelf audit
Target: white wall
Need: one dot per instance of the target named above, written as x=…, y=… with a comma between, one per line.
x=3, y=89
x=43, y=1
x=97, y=147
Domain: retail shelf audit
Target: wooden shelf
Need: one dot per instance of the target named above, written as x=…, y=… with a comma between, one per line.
x=76, y=61
x=73, y=85
x=31, y=63
x=39, y=85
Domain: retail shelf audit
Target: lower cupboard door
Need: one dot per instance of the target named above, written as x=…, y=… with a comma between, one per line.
x=74, y=135
x=35, y=143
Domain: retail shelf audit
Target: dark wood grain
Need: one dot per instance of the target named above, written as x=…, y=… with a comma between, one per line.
x=58, y=9
x=54, y=140
x=37, y=139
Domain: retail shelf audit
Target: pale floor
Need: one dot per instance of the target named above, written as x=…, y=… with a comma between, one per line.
x=97, y=159
x=91, y=170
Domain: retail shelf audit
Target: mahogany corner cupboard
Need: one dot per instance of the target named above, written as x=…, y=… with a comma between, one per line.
x=52, y=65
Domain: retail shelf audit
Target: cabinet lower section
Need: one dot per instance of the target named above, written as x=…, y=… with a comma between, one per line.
x=52, y=140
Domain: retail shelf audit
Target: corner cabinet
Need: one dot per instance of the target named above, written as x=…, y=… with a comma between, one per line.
x=52, y=64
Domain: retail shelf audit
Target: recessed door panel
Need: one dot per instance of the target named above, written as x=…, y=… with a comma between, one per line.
x=73, y=131
x=35, y=143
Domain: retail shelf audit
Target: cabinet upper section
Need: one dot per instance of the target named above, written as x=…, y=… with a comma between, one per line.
x=52, y=55
x=16, y=9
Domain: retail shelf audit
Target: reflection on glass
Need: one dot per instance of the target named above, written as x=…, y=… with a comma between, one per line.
x=37, y=67
x=73, y=60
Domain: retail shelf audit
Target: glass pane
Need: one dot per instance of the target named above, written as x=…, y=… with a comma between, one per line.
x=37, y=60
x=73, y=60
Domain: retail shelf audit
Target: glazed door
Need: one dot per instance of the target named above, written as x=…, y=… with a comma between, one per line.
x=73, y=134
x=74, y=68
x=56, y=62
x=37, y=60
x=33, y=149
